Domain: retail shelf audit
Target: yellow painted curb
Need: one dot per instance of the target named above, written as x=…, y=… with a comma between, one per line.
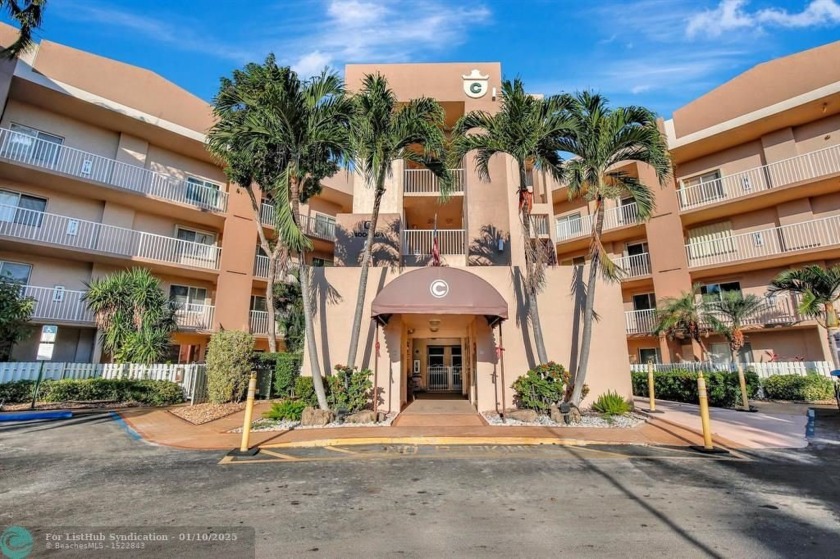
x=442, y=441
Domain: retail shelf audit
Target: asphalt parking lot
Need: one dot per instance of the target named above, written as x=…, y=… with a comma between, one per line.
x=417, y=501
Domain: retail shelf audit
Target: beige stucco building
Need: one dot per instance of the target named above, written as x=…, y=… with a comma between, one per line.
x=103, y=166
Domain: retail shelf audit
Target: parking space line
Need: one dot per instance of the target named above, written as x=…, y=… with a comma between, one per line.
x=279, y=455
x=337, y=449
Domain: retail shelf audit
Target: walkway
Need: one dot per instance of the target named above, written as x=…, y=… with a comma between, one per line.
x=443, y=410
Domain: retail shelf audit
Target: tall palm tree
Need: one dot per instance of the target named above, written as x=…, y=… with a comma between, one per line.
x=286, y=135
x=27, y=14
x=683, y=317
x=602, y=139
x=528, y=129
x=134, y=314
x=818, y=289
x=384, y=131
x=728, y=316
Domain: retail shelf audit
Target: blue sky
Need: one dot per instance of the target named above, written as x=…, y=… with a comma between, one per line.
x=658, y=53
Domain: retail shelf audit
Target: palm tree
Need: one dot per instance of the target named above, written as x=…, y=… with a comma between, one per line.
x=286, y=135
x=384, y=131
x=683, y=317
x=528, y=129
x=134, y=314
x=27, y=15
x=602, y=140
x=289, y=307
x=818, y=289
x=728, y=316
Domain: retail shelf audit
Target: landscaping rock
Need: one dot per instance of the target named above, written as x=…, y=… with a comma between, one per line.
x=574, y=415
x=316, y=417
x=555, y=414
x=364, y=416
x=527, y=416
x=381, y=417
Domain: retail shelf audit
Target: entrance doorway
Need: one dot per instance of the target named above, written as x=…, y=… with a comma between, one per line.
x=443, y=367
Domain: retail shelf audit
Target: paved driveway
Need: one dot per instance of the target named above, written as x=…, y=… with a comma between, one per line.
x=421, y=502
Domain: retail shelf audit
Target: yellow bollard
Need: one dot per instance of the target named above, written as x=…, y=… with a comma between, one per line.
x=246, y=425
x=708, y=447
x=651, y=389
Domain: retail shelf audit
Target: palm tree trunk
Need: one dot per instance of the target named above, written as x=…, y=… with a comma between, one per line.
x=831, y=328
x=589, y=307
x=530, y=288
x=363, y=277
x=742, y=380
x=308, y=308
x=272, y=266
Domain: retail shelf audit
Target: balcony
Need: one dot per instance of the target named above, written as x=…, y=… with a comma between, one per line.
x=765, y=243
x=92, y=237
x=261, y=266
x=538, y=225
x=614, y=218
x=424, y=182
x=634, y=266
x=57, y=158
x=640, y=322
x=259, y=322
x=419, y=242
x=776, y=311
x=56, y=304
x=809, y=166
x=319, y=226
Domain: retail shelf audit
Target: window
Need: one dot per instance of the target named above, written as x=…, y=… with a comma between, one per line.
x=713, y=291
x=649, y=354
x=324, y=225
x=21, y=208
x=569, y=225
x=32, y=146
x=191, y=299
x=702, y=188
x=204, y=243
x=200, y=191
x=644, y=302
x=15, y=272
x=322, y=263
x=258, y=303
x=628, y=212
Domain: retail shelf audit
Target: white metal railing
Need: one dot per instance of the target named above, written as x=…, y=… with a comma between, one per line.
x=259, y=322
x=779, y=309
x=261, y=266
x=640, y=322
x=763, y=243
x=803, y=167
x=444, y=378
x=317, y=225
x=22, y=148
x=58, y=304
x=763, y=370
x=614, y=218
x=538, y=225
x=195, y=317
x=635, y=265
x=419, y=242
x=90, y=236
x=423, y=181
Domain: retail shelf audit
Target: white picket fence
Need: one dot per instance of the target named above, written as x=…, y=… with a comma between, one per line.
x=763, y=370
x=191, y=377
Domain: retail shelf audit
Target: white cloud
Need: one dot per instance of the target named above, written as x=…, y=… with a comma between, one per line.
x=732, y=15
x=312, y=63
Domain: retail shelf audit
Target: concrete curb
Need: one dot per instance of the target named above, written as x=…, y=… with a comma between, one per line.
x=443, y=441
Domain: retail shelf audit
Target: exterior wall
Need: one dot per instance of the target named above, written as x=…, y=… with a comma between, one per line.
x=72, y=345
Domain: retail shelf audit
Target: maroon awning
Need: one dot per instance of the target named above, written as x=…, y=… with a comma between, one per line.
x=439, y=290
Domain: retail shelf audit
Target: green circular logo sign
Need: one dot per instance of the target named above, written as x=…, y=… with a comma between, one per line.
x=16, y=542
x=476, y=87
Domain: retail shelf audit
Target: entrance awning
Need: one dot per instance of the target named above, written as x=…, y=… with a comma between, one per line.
x=439, y=290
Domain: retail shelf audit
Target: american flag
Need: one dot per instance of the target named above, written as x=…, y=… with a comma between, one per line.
x=435, y=246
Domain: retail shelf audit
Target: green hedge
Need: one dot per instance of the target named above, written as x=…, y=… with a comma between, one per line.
x=150, y=392
x=681, y=386
x=808, y=388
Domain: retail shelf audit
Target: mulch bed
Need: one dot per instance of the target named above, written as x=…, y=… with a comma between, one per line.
x=205, y=413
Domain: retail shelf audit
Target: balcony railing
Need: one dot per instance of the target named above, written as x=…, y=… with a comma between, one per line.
x=774, y=310
x=634, y=266
x=195, y=317
x=419, y=242
x=22, y=148
x=423, y=181
x=259, y=322
x=89, y=236
x=773, y=241
x=318, y=225
x=640, y=322
x=58, y=304
x=539, y=225
x=804, y=167
x=582, y=227
x=261, y=266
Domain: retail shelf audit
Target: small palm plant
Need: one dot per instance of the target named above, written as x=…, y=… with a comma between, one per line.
x=728, y=317
x=818, y=290
x=682, y=318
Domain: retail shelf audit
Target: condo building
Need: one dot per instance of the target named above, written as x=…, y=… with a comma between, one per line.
x=103, y=166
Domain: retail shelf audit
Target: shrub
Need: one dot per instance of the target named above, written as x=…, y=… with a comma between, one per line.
x=349, y=389
x=17, y=392
x=305, y=391
x=541, y=387
x=808, y=388
x=286, y=409
x=286, y=372
x=612, y=403
x=150, y=392
x=722, y=387
x=229, y=359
